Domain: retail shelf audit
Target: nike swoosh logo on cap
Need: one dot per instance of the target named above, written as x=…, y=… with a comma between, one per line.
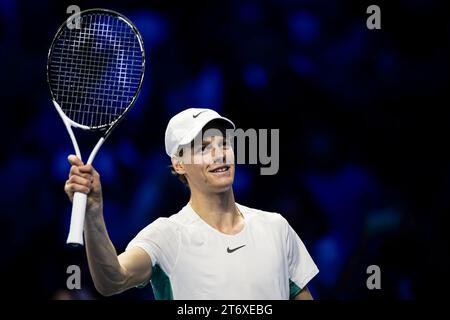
x=196, y=115
x=233, y=250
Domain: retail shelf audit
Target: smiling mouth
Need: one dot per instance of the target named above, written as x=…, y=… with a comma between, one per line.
x=220, y=169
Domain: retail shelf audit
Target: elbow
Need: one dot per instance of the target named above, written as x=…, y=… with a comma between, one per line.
x=106, y=293
x=111, y=284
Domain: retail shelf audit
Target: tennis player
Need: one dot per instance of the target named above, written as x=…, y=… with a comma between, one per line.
x=213, y=248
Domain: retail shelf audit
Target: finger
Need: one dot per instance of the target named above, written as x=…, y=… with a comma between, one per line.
x=74, y=170
x=70, y=195
x=81, y=181
x=68, y=191
x=72, y=187
x=74, y=160
x=87, y=169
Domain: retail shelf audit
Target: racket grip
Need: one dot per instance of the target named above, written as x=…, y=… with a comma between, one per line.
x=75, y=237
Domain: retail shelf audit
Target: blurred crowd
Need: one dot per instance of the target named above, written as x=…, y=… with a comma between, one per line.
x=364, y=174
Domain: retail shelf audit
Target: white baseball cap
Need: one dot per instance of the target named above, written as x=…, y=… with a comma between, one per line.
x=186, y=125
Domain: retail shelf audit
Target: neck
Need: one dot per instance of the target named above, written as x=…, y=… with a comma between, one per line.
x=218, y=210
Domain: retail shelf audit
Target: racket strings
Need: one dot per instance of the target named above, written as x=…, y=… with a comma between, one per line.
x=95, y=71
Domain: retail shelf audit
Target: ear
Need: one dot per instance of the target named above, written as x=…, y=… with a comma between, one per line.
x=178, y=165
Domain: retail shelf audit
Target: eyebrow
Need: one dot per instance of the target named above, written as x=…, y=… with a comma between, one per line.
x=205, y=143
x=208, y=142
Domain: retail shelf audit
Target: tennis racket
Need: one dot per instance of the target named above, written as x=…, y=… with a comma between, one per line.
x=94, y=72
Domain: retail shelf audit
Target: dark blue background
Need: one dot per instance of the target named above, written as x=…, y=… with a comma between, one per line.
x=363, y=116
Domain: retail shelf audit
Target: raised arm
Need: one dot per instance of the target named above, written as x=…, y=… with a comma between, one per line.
x=111, y=273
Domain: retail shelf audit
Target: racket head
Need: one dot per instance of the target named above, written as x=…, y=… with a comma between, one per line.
x=95, y=72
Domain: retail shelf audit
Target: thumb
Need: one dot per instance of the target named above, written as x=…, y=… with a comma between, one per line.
x=74, y=160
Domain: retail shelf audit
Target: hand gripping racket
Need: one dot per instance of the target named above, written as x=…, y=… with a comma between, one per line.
x=95, y=70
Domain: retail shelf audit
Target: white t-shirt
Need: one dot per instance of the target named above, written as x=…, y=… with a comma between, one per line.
x=193, y=260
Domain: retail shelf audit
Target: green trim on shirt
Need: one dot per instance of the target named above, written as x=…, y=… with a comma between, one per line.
x=294, y=289
x=162, y=288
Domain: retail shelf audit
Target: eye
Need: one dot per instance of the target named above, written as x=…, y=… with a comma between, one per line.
x=205, y=147
x=225, y=144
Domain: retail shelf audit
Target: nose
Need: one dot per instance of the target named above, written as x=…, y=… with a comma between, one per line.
x=218, y=154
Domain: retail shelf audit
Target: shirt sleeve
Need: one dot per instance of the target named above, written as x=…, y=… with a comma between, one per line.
x=161, y=241
x=301, y=266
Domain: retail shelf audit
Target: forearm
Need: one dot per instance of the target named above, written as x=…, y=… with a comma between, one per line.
x=107, y=273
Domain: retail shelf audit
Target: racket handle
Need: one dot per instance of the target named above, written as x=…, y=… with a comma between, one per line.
x=75, y=237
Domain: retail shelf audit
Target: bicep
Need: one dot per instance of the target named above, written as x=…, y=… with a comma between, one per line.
x=137, y=266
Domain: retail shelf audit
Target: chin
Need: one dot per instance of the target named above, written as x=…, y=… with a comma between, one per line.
x=222, y=186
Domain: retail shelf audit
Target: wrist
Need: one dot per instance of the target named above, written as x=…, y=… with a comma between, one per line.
x=94, y=213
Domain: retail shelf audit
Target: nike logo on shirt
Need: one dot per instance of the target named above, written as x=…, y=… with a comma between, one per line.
x=233, y=250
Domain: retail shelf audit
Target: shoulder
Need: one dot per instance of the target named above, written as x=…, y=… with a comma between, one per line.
x=264, y=217
x=174, y=222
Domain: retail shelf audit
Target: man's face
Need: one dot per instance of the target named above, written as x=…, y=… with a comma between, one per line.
x=209, y=164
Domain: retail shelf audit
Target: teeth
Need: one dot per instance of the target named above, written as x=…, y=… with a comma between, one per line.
x=221, y=169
